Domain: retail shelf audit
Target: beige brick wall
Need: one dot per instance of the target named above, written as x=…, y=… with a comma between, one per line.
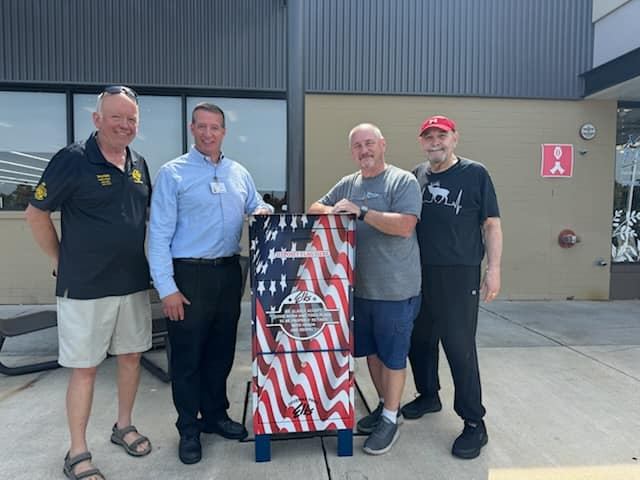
x=26, y=271
x=506, y=136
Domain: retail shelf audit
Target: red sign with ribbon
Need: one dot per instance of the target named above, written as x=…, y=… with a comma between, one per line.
x=557, y=160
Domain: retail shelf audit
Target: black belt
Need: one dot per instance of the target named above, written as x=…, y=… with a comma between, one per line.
x=209, y=261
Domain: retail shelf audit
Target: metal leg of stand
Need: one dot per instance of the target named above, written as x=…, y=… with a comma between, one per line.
x=263, y=448
x=345, y=443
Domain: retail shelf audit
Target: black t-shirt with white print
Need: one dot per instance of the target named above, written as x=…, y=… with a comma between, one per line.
x=455, y=204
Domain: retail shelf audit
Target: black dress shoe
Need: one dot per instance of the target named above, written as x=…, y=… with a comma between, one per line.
x=226, y=428
x=190, y=450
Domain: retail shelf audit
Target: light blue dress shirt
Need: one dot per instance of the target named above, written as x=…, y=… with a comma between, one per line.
x=197, y=211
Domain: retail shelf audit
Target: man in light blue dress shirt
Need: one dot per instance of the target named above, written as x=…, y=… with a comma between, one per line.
x=198, y=207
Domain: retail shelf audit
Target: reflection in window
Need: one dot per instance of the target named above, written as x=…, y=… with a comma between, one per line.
x=625, y=244
x=32, y=130
x=256, y=137
x=159, y=136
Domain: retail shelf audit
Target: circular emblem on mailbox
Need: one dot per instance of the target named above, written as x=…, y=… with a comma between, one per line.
x=587, y=131
x=302, y=315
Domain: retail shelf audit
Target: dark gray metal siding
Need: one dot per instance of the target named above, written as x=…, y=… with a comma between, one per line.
x=496, y=48
x=236, y=44
x=504, y=48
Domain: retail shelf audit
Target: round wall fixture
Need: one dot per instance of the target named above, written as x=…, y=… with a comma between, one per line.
x=568, y=238
x=588, y=131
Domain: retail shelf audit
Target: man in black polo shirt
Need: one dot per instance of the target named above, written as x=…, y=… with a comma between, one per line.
x=102, y=189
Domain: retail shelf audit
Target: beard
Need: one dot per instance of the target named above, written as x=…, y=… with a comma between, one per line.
x=367, y=162
x=437, y=157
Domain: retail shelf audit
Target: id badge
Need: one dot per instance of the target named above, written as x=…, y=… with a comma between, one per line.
x=217, y=187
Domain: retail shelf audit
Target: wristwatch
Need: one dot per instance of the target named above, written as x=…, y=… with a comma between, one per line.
x=363, y=212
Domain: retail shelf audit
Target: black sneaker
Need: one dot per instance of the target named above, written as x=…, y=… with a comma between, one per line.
x=369, y=423
x=382, y=438
x=471, y=440
x=421, y=405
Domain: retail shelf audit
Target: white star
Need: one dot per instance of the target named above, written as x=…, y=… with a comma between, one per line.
x=283, y=222
x=251, y=219
x=274, y=234
x=283, y=282
x=304, y=221
x=272, y=287
x=260, y=287
x=254, y=244
x=294, y=222
x=283, y=257
x=293, y=246
x=262, y=268
x=272, y=254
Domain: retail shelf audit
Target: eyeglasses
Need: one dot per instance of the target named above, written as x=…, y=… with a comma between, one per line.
x=118, y=89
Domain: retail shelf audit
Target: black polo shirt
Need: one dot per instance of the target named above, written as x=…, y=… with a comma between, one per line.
x=104, y=212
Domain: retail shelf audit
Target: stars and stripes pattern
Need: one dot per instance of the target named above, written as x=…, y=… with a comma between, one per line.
x=302, y=384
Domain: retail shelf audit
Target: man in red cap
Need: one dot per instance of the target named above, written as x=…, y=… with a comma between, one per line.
x=459, y=222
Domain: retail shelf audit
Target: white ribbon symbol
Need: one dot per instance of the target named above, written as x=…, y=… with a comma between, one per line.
x=557, y=167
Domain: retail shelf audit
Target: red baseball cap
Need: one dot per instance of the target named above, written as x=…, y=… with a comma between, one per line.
x=438, y=121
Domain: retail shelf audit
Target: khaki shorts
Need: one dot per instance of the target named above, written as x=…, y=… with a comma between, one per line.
x=88, y=329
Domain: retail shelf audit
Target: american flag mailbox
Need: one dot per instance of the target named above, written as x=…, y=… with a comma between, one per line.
x=302, y=276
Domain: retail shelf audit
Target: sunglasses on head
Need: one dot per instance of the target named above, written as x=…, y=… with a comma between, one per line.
x=117, y=89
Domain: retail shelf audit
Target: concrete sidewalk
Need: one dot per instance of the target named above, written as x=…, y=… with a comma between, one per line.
x=561, y=383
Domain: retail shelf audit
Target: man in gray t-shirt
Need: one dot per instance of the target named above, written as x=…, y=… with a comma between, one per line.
x=387, y=201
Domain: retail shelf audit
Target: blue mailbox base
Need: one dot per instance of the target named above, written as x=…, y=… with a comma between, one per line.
x=263, y=448
x=345, y=443
x=263, y=445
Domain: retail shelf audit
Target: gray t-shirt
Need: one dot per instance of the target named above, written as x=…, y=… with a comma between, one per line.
x=387, y=266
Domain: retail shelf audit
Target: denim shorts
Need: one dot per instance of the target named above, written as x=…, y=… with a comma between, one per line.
x=383, y=328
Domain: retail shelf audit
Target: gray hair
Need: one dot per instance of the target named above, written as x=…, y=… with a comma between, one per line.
x=366, y=126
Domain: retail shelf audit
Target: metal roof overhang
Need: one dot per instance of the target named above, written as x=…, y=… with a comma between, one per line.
x=618, y=79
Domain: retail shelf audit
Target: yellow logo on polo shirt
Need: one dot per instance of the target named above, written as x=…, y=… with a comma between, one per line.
x=136, y=176
x=41, y=191
x=104, y=179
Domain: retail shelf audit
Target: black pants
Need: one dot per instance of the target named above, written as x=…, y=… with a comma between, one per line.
x=449, y=314
x=203, y=344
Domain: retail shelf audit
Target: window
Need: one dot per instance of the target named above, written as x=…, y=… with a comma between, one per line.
x=32, y=130
x=159, y=136
x=33, y=127
x=625, y=243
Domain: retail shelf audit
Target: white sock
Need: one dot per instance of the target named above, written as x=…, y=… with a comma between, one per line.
x=390, y=414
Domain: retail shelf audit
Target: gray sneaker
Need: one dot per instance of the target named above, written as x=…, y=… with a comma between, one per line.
x=369, y=423
x=382, y=438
